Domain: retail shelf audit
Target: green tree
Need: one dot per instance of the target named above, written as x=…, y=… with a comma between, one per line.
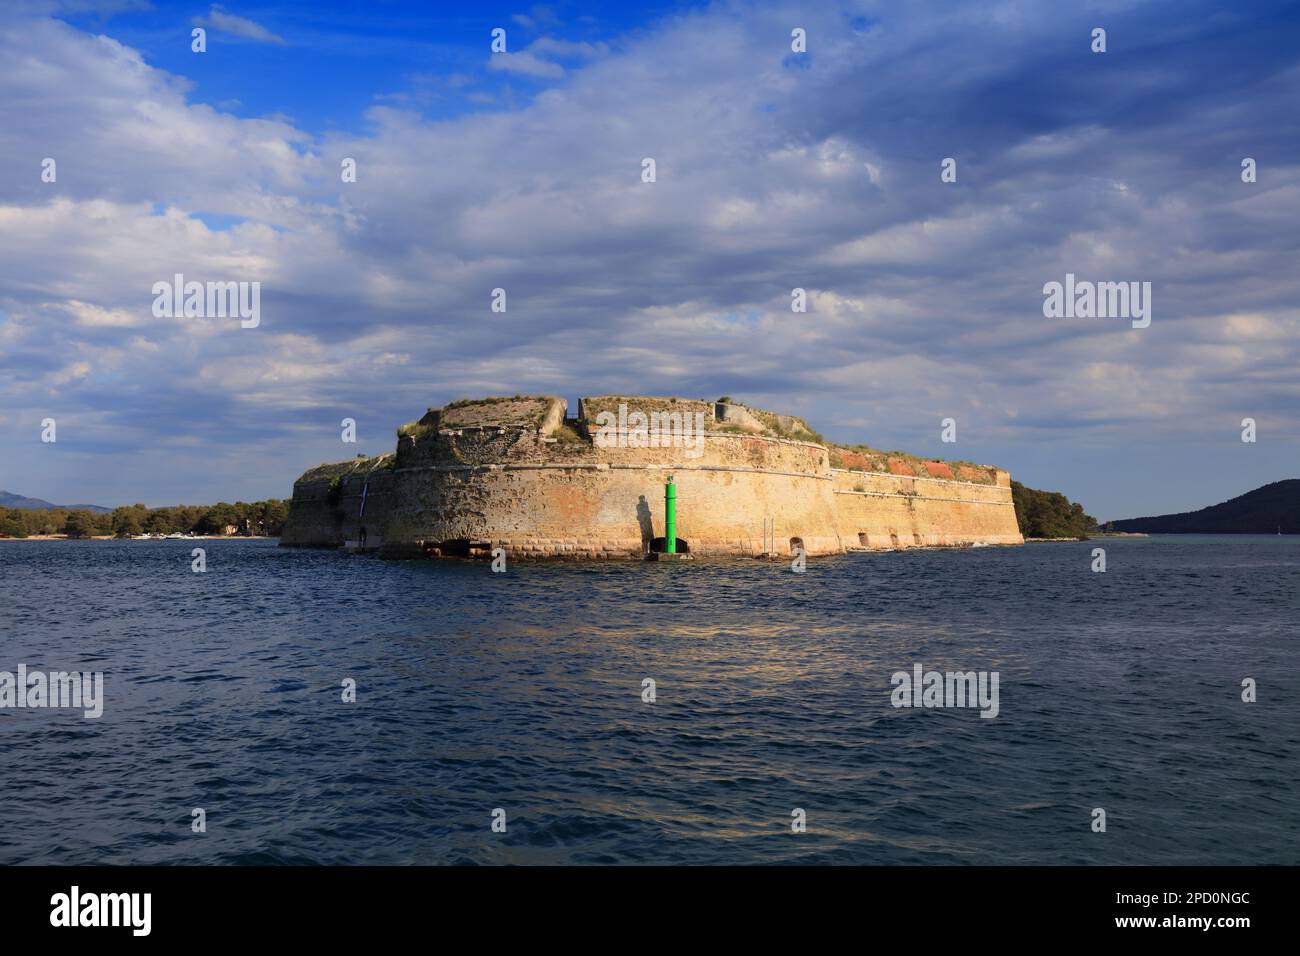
x=1049, y=514
x=217, y=518
x=159, y=521
x=11, y=524
x=129, y=520
x=274, y=513
x=79, y=524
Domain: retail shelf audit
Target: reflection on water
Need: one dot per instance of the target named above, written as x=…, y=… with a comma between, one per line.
x=523, y=691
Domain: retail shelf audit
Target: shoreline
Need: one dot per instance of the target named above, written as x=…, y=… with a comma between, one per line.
x=110, y=537
x=1090, y=537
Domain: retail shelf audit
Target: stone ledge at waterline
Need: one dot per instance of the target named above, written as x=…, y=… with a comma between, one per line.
x=517, y=473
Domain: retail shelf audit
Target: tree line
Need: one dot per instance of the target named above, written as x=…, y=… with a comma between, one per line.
x=245, y=518
x=1049, y=514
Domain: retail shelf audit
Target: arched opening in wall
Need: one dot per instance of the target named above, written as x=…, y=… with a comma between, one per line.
x=893, y=539
x=916, y=539
x=862, y=538
x=456, y=548
x=657, y=546
x=796, y=544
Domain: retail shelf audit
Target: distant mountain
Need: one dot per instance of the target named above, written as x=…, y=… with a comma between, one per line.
x=10, y=500
x=1261, y=511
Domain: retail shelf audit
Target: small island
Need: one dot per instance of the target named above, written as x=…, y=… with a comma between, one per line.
x=520, y=475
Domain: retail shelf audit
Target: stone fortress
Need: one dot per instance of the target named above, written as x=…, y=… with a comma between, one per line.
x=516, y=473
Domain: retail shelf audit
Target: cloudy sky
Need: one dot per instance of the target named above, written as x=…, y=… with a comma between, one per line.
x=775, y=170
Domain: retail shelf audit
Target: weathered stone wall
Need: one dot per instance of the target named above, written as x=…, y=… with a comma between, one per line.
x=537, y=497
x=344, y=504
x=540, y=488
x=891, y=511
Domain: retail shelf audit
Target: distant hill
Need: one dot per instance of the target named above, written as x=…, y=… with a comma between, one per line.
x=1260, y=511
x=10, y=500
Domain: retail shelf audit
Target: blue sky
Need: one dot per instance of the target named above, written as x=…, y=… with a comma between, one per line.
x=775, y=170
x=325, y=64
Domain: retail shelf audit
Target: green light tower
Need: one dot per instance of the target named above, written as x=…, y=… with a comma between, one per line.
x=670, y=517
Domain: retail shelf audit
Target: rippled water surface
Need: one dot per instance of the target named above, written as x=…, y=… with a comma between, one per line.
x=523, y=691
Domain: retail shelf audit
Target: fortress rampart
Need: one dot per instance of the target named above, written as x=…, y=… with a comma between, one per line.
x=518, y=474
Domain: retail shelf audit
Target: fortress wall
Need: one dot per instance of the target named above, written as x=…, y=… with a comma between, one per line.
x=365, y=505
x=582, y=501
x=510, y=472
x=891, y=511
x=320, y=518
x=312, y=521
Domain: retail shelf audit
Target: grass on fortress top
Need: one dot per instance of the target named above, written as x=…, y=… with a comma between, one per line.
x=526, y=411
x=355, y=466
x=865, y=458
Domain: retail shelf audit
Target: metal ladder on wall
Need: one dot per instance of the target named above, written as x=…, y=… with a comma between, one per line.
x=769, y=540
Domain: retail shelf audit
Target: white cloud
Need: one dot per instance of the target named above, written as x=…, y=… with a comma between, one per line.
x=221, y=21
x=92, y=315
x=527, y=64
x=551, y=46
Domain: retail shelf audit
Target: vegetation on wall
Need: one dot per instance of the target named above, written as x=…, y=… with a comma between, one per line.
x=568, y=434
x=798, y=430
x=492, y=400
x=851, y=457
x=516, y=411
x=360, y=465
x=412, y=429
x=335, y=494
